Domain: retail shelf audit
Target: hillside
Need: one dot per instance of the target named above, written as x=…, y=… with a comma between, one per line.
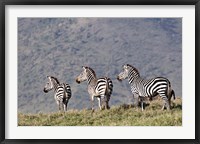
x=123, y=115
x=60, y=46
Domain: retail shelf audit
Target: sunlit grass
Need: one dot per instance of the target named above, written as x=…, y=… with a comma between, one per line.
x=123, y=115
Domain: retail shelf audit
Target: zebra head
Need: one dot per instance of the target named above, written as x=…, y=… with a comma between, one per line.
x=128, y=72
x=124, y=74
x=82, y=76
x=52, y=81
x=87, y=74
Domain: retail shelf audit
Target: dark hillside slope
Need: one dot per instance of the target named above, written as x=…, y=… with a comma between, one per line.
x=60, y=46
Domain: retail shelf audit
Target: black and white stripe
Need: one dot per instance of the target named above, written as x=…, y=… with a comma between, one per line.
x=142, y=88
x=101, y=88
x=62, y=92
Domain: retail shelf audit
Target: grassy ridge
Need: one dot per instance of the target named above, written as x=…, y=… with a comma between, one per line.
x=124, y=115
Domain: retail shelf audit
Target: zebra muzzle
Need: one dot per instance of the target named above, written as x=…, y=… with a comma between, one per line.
x=77, y=81
x=45, y=90
x=118, y=78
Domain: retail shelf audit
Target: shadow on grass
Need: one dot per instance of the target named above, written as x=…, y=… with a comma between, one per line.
x=128, y=106
x=177, y=106
x=151, y=106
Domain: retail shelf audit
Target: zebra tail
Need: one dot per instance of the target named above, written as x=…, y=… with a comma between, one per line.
x=108, y=89
x=68, y=90
x=171, y=91
x=110, y=86
x=173, y=94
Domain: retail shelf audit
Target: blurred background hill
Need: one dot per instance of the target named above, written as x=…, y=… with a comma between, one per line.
x=60, y=46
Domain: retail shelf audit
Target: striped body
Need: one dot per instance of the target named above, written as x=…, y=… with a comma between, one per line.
x=62, y=92
x=101, y=88
x=150, y=88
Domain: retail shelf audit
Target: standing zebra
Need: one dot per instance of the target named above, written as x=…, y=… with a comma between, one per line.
x=62, y=92
x=142, y=88
x=101, y=88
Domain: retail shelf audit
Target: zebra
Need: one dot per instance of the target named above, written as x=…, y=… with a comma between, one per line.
x=62, y=92
x=142, y=88
x=101, y=88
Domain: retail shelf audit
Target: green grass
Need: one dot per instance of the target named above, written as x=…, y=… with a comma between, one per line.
x=124, y=115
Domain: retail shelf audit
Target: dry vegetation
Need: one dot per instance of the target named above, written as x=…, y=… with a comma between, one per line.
x=123, y=115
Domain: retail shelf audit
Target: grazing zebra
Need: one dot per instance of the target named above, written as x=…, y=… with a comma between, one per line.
x=101, y=88
x=62, y=92
x=142, y=88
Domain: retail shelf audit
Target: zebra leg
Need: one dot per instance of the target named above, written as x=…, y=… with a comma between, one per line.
x=166, y=104
x=65, y=105
x=99, y=99
x=106, y=105
x=169, y=101
x=62, y=106
x=135, y=99
x=142, y=103
x=59, y=106
x=163, y=107
x=107, y=101
x=92, y=103
x=58, y=103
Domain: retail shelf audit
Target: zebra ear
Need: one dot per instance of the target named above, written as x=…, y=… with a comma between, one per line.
x=48, y=77
x=125, y=66
x=83, y=67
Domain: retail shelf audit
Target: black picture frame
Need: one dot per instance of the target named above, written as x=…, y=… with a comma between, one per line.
x=4, y=3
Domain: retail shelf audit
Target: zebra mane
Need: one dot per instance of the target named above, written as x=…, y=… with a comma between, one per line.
x=55, y=79
x=91, y=70
x=136, y=71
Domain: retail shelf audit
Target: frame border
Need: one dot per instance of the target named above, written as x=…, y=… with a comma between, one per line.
x=3, y=4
